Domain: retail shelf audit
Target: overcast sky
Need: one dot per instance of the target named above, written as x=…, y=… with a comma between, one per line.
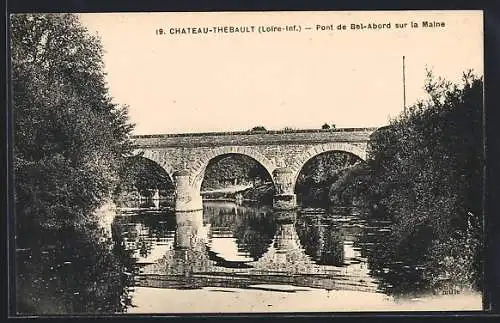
x=223, y=82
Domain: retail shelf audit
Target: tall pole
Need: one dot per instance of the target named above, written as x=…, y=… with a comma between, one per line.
x=404, y=87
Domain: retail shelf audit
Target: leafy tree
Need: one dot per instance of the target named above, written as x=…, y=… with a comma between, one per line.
x=259, y=128
x=142, y=174
x=425, y=174
x=69, y=139
x=323, y=178
x=325, y=126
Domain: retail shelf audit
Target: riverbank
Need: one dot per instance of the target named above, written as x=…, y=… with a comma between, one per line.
x=262, y=194
x=269, y=298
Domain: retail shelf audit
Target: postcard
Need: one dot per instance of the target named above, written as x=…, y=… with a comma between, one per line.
x=247, y=162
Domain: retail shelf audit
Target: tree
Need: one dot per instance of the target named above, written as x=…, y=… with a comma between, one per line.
x=141, y=174
x=68, y=145
x=426, y=175
x=323, y=177
x=325, y=126
x=259, y=128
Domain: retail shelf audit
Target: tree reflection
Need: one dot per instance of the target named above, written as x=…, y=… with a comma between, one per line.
x=142, y=231
x=87, y=275
x=322, y=241
x=234, y=246
x=398, y=262
x=253, y=229
x=255, y=234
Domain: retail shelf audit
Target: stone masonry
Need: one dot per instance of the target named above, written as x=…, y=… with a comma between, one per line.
x=281, y=153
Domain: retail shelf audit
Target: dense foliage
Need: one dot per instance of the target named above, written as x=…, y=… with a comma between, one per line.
x=233, y=169
x=259, y=129
x=69, y=139
x=425, y=175
x=142, y=175
x=323, y=179
x=326, y=126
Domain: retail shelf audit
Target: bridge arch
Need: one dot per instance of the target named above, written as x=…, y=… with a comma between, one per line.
x=303, y=158
x=148, y=173
x=198, y=170
x=158, y=157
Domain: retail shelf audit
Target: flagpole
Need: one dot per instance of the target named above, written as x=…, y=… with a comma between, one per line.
x=404, y=87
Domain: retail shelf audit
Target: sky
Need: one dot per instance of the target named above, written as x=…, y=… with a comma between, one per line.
x=235, y=81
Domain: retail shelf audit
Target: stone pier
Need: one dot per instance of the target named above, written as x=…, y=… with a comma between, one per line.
x=187, y=198
x=285, y=198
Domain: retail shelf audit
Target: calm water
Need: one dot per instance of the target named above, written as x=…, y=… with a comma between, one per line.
x=230, y=258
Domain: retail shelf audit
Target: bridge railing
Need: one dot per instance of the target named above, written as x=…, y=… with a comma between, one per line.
x=255, y=132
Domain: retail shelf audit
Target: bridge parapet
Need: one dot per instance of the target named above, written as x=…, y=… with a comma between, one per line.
x=253, y=138
x=225, y=133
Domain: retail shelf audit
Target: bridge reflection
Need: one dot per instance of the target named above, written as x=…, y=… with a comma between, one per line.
x=215, y=250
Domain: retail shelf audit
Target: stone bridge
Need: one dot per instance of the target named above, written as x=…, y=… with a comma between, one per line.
x=282, y=153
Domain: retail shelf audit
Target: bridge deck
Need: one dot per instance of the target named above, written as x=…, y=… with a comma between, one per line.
x=254, y=138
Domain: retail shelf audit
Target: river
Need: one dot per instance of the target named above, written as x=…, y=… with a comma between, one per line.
x=233, y=258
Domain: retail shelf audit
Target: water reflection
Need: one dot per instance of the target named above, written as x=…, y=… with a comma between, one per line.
x=239, y=234
x=323, y=241
x=154, y=203
x=188, y=254
x=226, y=245
x=401, y=272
